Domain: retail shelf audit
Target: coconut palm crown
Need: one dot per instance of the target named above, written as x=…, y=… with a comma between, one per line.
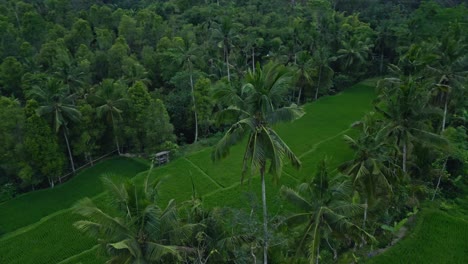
x=259, y=106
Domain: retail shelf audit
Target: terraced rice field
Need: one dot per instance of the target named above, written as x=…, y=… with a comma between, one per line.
x=38, y=228
x=437, y=238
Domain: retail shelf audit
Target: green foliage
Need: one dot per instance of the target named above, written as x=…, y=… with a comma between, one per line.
x=43, y=153
x=216, y=184
x=437, y=237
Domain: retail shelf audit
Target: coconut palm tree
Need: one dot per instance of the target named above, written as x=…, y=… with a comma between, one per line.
x=354, y=53
x=225, y=32
x=325, y=211
x=369, y=171
x=259, y=106
x=321, y=61
x=136, y=229
x=405, y=109
x=58, y=104
x=186, y=56
x=110, y=102
x=303, y=71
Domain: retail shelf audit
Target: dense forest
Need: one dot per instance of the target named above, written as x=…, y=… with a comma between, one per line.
x=84, y=79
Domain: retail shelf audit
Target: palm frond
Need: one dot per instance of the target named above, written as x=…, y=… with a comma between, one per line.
x=235, y=133
x=295, y=198
x=285, y=114
x=156, y=252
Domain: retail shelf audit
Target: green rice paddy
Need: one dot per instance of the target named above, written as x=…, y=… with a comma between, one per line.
x=38, y=227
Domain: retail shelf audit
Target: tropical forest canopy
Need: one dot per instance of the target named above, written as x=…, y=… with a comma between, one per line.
x=84, y=79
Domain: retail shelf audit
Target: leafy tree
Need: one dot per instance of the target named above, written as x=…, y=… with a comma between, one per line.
x=325, y=212
x=11, y=130
x=260, y=107
x=42, y=154
x=110, y=103
x=80, y=34
x=57, y=104
x=88, y=134
x=159, y=131
x=11, y=72
x=205, y=104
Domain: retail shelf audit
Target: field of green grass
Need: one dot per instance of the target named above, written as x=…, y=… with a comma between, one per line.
x=437, y=238
x=38, y=227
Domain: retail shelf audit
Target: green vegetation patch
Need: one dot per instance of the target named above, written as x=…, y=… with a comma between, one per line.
x=318, y=134
x=437, y=238
x=31, y=207
x=51, y=242
x=175, y=181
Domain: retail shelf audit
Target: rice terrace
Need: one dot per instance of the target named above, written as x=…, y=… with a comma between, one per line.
x=44, y=218
x=246, y=131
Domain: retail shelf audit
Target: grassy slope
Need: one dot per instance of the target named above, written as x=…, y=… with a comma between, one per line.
x=316, y=135
x=53, y=238
x=30, y=208
x=437, y=238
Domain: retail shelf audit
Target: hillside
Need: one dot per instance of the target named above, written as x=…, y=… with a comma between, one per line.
x=316, y=135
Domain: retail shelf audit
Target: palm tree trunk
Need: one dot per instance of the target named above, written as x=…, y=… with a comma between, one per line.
x=438, y=181
x=194, y=107
x=404, y=157
x=317, y=257
x=115, y=134
x=253, y=59
x=381, y=62
x=444, y=119
x=318, y=83
x=299, y=96
x=366, y=205
x=226, y=57
x=69, y=150
x=265, y=221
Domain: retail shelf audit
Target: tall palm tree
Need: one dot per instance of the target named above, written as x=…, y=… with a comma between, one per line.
x=186, y=56
x=110, y=102
x=369, y=171
x=256, y=110
x=354, y=53
x=57, y=102
x=321, y=60
x=225, y=32
x=449, y=70
x=136, y=230
x=325, y=211
x=404, y=106
x=303, y=72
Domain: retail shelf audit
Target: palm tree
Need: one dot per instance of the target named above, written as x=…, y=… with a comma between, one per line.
x=225, y=32
x=449, y=70
x=325, y=211
x=56, y=101
x=110, y=102
x=321, y=60
x=354, y=53
x=303, y=71
x=405, y=109
x=186, y=55
x=136, y=230
x=368, y=169
x=256, y=110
